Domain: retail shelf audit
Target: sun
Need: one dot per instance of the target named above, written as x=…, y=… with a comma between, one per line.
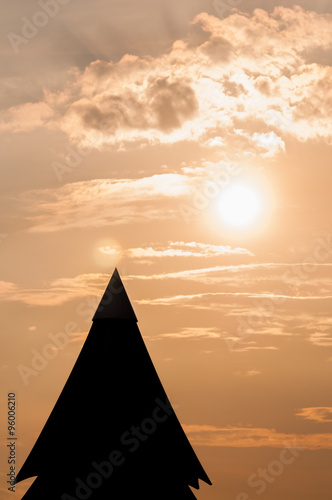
x=239, y=205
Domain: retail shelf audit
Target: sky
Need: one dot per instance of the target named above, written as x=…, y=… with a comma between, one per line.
x=187, y=143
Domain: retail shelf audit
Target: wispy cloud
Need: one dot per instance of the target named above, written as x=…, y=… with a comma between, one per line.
x=149, y=254
x=56, y=292
x=25, y=117
x=239, y=304
x=102, y=202
x=191, y=249
x=194, y=333
x=197, y=274
x=316, y=413
x=176, y=299
x=269, y=271
x=249, y=373
x=321, y=338
x=254, y=437
x=246, y=348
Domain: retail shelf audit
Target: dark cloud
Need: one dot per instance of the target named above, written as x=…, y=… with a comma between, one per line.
x=233, y=89
x=263, y=85
x=163, y=105
x=172, y=103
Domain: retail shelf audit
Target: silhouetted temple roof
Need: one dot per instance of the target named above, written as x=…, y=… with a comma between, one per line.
x=113, y=405
x=115, y=303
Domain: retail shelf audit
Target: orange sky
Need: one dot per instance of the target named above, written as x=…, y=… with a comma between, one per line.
x=124, y=125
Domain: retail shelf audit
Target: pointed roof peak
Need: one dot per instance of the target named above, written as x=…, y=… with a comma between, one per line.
x=115, y=303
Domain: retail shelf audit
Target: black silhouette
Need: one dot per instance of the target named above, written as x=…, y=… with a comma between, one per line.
x=113, y=434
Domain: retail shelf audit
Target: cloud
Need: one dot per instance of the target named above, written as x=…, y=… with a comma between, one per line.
x=62, y=290
x=102, y=202
x=199, y=274
x=275, y=299
x=242, y=299
x=173, y=300
x=317, y=414
x=270, y=142
x=271, y=83
x=194, y=333
x=321, y=339
x=56, y=292
x=246, y=348
x=254, y=437
x=191, y=249
x=318, y=328
x=7, y=288
x=249, y=373
x=186, y=300
x=252, y=78
x=25, y=117
x=159, y=104
x=268, y=272
x=134, y=100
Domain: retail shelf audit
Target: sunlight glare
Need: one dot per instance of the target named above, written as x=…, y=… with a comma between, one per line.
x=239, y=205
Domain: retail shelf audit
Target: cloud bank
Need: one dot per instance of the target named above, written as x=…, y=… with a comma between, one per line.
x=246, y=80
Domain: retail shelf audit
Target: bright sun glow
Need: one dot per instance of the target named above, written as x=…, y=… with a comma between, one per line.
x=239, y=205
x=107, y=253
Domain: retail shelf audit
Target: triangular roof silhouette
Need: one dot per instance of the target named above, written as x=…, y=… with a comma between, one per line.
x=112, y=433
x=115, y=302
